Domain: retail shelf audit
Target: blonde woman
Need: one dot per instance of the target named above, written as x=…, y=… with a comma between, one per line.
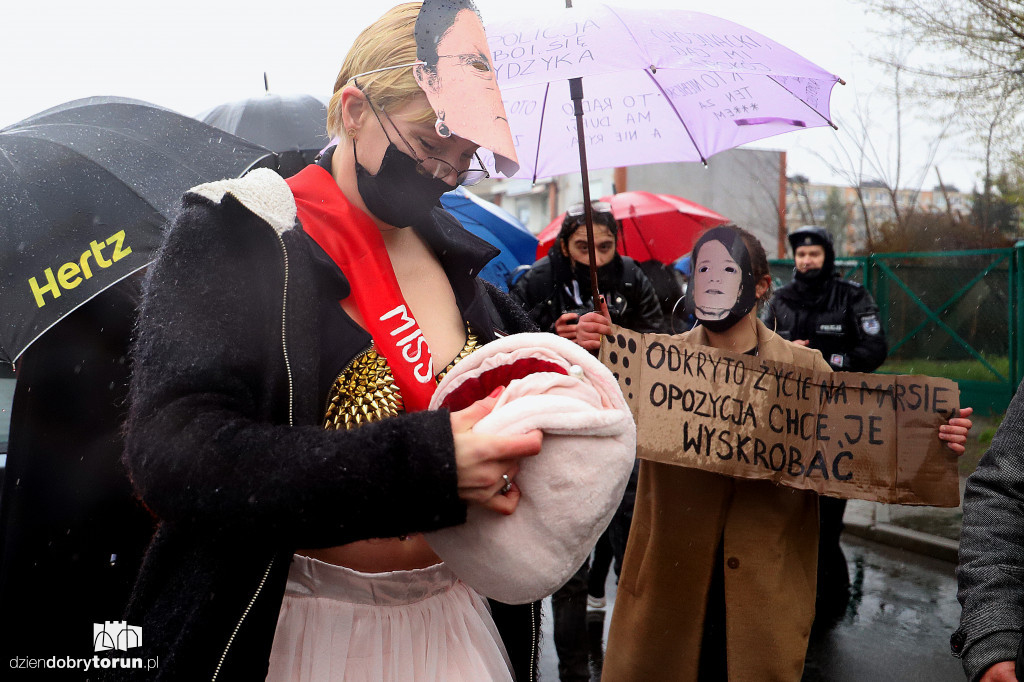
x=290, y=339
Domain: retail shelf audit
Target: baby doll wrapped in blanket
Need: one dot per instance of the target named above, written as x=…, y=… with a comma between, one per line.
x=569, y=491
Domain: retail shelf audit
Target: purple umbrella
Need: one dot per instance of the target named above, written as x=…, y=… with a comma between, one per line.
x=605, y=86
x=658, y=86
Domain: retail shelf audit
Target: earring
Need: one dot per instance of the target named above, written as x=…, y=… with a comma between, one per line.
x=442, y=129
x=351, y=132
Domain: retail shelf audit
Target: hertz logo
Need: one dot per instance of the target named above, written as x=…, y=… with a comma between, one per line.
x=70, y=274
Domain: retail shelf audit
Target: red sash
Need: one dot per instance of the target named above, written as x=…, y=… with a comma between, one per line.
x=352, y=240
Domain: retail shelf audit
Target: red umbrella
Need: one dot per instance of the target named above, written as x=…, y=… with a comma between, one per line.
x=661, y=227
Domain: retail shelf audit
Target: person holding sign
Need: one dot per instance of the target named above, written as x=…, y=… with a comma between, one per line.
x=821, y=310
x=290, y=341
x=719, y=576
x=555, y=293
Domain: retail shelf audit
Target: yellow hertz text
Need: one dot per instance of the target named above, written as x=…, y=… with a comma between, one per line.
x=71, y=273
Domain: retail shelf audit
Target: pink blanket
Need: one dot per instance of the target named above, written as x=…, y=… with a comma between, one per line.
x=569, y=491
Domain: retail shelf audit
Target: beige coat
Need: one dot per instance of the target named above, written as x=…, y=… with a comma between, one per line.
x=770, y=542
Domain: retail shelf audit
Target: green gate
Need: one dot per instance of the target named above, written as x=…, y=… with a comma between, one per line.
x=950, y=313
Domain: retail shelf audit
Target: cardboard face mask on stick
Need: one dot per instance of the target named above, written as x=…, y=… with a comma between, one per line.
x=459, y=79
x=722, y=290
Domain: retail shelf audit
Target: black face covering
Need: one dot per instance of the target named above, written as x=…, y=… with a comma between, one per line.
x=605, y=273
x=398, y=194
x=810, y=276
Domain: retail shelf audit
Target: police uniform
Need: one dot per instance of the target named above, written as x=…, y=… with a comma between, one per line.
x=840, y=319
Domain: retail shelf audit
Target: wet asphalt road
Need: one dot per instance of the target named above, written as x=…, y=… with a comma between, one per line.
x=896, y=628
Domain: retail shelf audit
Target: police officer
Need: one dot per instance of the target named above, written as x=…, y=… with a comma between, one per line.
x=839, y=318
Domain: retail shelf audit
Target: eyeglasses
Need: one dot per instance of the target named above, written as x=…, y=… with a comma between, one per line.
x=601, y=211
x=433, y=167
x=477, y=63
x=576, y=210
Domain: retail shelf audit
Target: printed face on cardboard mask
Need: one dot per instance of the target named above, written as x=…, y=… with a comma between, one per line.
x=459, y=80
x=717, y=280
x=722, y=290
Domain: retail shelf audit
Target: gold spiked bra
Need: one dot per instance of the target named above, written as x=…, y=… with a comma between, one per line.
x=365, y=391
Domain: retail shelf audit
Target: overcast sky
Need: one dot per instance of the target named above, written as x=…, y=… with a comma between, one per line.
x=190, y=56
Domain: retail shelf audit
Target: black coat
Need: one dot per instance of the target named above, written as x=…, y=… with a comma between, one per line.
x=838, y=317
x=224, y=441
x=545, y=291
x=72, y=533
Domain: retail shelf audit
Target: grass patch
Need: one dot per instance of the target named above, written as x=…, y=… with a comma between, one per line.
x=958, y=370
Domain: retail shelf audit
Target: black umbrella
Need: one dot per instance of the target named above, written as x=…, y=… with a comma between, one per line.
x=294, y=126
x=85, y=191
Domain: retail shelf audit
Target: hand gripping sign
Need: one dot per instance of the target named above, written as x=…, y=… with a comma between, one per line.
x=842, y=434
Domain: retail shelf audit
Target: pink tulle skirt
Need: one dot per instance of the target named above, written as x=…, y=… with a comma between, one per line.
x=340, y=625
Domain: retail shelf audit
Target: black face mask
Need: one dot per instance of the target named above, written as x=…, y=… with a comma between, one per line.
x=810, y=276
x=581, y=272
x=398, y=194
x=727, y=322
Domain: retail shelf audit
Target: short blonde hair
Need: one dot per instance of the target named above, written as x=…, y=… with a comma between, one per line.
x=389, y=41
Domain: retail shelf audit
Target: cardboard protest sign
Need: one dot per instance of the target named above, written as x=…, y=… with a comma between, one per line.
x=843, y=434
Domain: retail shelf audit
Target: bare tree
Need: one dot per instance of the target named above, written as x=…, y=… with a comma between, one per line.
x=973, y=57
x=870, y=150
x=985, y=37
x=849, y=162
x=798, y=190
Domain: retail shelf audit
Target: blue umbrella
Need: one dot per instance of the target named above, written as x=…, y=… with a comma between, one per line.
x=499, y=227
x=683, y=265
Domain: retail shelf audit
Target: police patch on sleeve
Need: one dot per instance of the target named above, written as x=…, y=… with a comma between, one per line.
x=871, y=325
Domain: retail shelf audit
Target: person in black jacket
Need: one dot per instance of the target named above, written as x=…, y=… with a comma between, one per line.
x=290, y=338
x=838, y=317
x=821, y=310
x=556, y=294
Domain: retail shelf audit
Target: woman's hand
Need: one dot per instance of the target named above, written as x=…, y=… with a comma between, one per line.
x=1000, y=672
x=954, y=432
x=482, y=459
x=592, y=327
x=565, y=326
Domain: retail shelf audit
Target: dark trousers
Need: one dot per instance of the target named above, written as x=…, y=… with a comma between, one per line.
x=713, y=665
x=833, y=575
x=600, y=563
x=611, y=546
x=569, y=608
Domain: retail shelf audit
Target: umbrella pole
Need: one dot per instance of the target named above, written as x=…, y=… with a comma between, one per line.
x=576, y=93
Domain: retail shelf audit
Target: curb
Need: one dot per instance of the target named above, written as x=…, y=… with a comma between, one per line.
x=905, y=538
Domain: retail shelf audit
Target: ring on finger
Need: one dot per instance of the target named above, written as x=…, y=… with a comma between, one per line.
x=508, y=484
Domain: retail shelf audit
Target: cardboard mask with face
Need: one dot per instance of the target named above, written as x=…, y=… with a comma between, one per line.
x=458, y=78
x=721, y=290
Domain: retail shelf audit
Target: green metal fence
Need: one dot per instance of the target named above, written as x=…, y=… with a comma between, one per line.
x=950, y=313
